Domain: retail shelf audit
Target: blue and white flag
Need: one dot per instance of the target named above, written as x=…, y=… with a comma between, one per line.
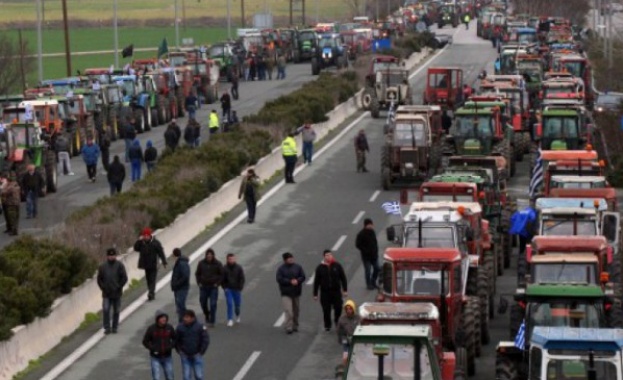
x=520, y=338
x=536, y=180
x=392, y=208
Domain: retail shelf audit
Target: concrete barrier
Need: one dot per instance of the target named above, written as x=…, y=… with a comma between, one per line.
x=35, y=339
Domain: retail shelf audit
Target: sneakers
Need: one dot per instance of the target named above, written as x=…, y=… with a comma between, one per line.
x=71, y=173
x=238, y=319
x=230, y=323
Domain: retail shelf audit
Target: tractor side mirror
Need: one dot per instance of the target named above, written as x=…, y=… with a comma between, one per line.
x=391, y=233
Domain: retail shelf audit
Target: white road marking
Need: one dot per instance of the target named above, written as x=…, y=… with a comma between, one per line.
x=247, y=365
x=358, y=217
x=427, y=64
x=375, y=195
x=280, y=320
x=339, y=243
x=311, y=279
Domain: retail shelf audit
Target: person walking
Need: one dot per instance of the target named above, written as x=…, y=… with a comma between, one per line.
x=10, y=193
x=361, y=148
x=250, y=190
x=466, y=20
x=180, y=282
x=111, y=278
x=214, y=122
x=116, y=175
x=346, y=326
x=189, y=134
x=105, y=143
x=136, y=160
x=233, y=283
x=150, y=250
x=368, y=247
x=225, y=106
x=171, y=136
x=209, y=276
x=290, y=277
x=151, y=156
x=234, y=86
x=309, y=136
x=289, y=152
x=190, y=104
x=523, y=223
x=270, y=62
x=32, y=184
x=196, y=133
x=160, y=340
x=129, y=134
x=330, y=280
x=191, y=343
x=61, y=146
x=281, y=67
x=90, y=155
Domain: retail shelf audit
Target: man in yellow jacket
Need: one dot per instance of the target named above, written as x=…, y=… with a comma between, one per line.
x=288, y=150
x=214, y=122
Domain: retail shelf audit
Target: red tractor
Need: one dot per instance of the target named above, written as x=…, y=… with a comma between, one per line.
x=444, y=87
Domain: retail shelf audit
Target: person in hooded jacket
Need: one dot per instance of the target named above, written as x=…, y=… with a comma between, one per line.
x=233, y=283
x=346, y=326
x=180, y=282
x=151, y=156
x=90, y=155
x=111, y=278
x=368, y=246
x=192, y=343
x=116, y=175
x=290, y=277
x=209, y=275
x=160, y=340
x=172, y=135
x=330, y=280
x=150, y=250
x=136, y=159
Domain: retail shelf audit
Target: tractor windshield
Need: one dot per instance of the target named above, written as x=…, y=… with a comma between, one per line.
x=560, y=127
x=472, y=126
x=384, y=65
x=307, y=36
x=217, y=51
x=24, y=136
x=526, y=38
x=558, y=90
x=327, y=43
x=432, y=237
x=567, y=226
x=348, y=39
x=410, y=135
x=556, y=273
x=567, y=364
x=554, y=184
x=398, y=362
x=113, y=95
x=448, y=198
x=14, y=115
x=393, y=78
x=419, y=280
x=576, y=68
x=178, y=60
x=129, y=87
x=570, y=313
x=528, y=65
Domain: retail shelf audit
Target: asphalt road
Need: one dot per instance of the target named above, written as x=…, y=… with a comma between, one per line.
x=76, y=191
x=325, y=209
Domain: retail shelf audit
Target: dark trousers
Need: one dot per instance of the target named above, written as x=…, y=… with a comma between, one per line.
x=226, y=114
x=289, y=169
x=251, y=205
x=115, y=187
x=331, y=300
x=208, y=293
x=234, y=91
x=11, y=216
x=371, y=272
x=308, y=151
x=92, y=171
x=105, y=158
x=108, y=305
x=523, y=241
x=150, y=276
x=32, y=198
x=180, y=302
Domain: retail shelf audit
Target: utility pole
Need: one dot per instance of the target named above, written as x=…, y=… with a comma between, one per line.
x=67, y=48
x=291, y=19
x=115, y=28
x=604, y=34
x=242, y=13
x=317, y=10
x=303, y=8
x=177, y=27
x=39, y=43
x=184, y=14
x=229, y=19
x=21, y=59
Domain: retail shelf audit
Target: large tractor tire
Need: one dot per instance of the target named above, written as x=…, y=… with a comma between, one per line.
x=154, y=117
x=614, y=316
x=139, y=122
x=181, y=100
x=460, y=369
x=485, y=298
x=614, y=271
x=51, y=174
x=527, y=142
x=375, y=108
x=434, y=163
x=491, y=274
x=366, y=98
x=148, y=121
x=113, y=124
x=506, y=370
x=315, y=66
x=167, y=110
x=211, y=94
x=474, y=305
x=519, y=148
x=522, y=269
x=516, y=318
x=162, y=109
x=386, y=180
x=74, y=138
x=469, y=327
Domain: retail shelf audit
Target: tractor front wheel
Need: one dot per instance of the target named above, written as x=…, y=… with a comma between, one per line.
x=50, y=172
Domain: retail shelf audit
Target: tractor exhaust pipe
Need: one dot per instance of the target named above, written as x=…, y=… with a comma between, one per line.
x=419, y=234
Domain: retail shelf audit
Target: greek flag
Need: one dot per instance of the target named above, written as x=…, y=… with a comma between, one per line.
x=520, y=338
x=536, y=180
x=392, y=208
x=391, y=114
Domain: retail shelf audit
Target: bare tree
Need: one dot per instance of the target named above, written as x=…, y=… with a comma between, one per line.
x=354, y=6
x=15, y=65
x=575, y=10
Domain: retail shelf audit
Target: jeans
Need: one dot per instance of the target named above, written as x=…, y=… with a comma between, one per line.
x=251, y=205
x=92, y=170
x=165, y=364
x=136, y=170
x=150, y=277
x=115, y=187
x=371, y=272
x=331, y=301
x=107, y=305
x=234, y=91
x=190, y=365
x=234, y=298
x=191, y=112
x=150, y=166
x=226, y=114
x=208, y=293
x=291, y=309
x=31, y=203
x=308, y=151
x=64, y=163
x=128, y=144
x=281, y=73
x=180, y=302
x=290, y=166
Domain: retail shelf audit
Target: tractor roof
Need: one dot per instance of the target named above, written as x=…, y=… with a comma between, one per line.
x=560, y=112
x=61, y=82
x=458, y=178
x=582, y=204
x=124, y=78
x=568, y=211
x=473, y=111
x=393, y=331
x=578, y=178
x=398, y=311
x=39, y=103
x=555, y=155
x=484, y=103
x=423, y=255
x=490, y=162
x=599, y=192
x=474, y=207
x=565, y=258
x=564, y=290
x=410, y=118
x=578, y=339
x=570, y=243
x=409, y=109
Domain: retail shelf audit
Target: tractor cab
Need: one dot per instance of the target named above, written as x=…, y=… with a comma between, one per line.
x=476, y=131
x=381, y=63
x=577, y=182
x=563, y=128
x=43, y=113
x=444, y=87
x=450, y=188
x=609, y=194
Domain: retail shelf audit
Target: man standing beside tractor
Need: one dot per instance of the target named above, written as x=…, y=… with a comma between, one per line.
x=32, y=183
x=10, y=193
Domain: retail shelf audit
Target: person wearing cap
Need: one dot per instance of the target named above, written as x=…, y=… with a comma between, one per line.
x=159, y=339
x=250, y=190
x=209, y=276
x=290, y=277
x=368, y=246
x=346, y=326
x=289, y=153
x=111, y=278
x=10, y=193
x=361, y=147
x=192, y=342
x=180, y=282
x=150, y=250
x=330, y=280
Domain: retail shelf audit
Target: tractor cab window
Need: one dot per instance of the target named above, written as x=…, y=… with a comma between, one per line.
x=392, y=78
x=575, y=68
x=561, y=127
x=508, y=62
x=348, y=38
x=113, y=95
x=24, y=136
x=556, y=273
x=567, y=226
x=526, y=38
x=570, y=313
x=558, y=90
x=448, y=198
x=420, y=280
x=440, y=81
x=432, y=237
x=380, y=66
x=474, y=126
x=565, y=364
x=413, y=135
x=177, y=60
x=327, y=43
x=307, y=36
x=398, y=363
x=216, y=51
x=14, y=117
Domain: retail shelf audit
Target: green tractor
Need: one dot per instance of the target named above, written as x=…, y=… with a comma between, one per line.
x=480, y=131
x=307, y=41
x=563, y=127
x=223, y=54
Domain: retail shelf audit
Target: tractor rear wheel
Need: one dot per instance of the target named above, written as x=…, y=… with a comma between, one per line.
x=366, y=98
x=469, y=321
x=147, y=118
x=180, y=103
x=484, y=296
x=522, y=269
x=50, y=171
x=375, y=107
x=154, y=117
x=504, y=149
x=211, y=94
x=162, y=110
x=614, y=271
x=506, y=370
x=386, y=181
x=614, y=316
x=491, y=274
x=315, y=66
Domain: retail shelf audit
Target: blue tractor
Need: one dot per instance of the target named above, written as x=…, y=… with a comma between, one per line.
x=328, y=52
x=139, y=97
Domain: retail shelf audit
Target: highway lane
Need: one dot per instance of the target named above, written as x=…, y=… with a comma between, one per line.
x=76, y=191
x=323, y=210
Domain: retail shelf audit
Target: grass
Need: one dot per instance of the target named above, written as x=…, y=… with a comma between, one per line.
x=135, y=283
x=32, y=365
x=89, y=319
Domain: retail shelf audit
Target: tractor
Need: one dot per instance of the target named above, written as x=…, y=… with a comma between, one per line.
x=330, y=52
x=307, y=43
x=222, y=54
x=206, y=78
x=447, y=15
x=563, y=128
x=444, y=87
x=391, y=89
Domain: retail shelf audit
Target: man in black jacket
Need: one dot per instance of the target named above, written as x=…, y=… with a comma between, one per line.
x=180, y=282
x=368, y=246
x=192, y=343
x=32, y=184
x=290, y=277
x=111, y=278
x=115, y=175
x=330, y=279
x=209, y=275
x=159, y=339
x=172, y=135
x=150, y=250
x=233, y=283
